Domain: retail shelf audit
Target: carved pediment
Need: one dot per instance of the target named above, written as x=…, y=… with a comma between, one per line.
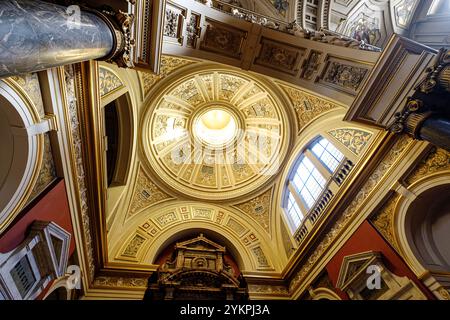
x=200, y=243
x=355, y=265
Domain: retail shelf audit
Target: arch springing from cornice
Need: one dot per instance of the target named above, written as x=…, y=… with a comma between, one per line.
x=142, y=238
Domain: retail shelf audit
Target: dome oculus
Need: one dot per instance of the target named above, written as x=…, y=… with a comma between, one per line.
x=215, y=127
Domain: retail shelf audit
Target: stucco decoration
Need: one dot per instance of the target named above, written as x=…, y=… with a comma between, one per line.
x=216, y=134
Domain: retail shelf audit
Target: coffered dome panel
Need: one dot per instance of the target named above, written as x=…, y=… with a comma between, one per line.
x=215, y=134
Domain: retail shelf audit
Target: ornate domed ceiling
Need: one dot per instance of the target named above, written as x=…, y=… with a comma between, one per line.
x=215, y=134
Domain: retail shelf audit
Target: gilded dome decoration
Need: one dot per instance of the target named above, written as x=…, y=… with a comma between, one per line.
x=216, y=134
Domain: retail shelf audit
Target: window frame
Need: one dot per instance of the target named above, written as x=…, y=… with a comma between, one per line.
x=290, y=188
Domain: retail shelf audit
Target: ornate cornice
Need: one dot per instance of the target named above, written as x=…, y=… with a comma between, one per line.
x=120, y=282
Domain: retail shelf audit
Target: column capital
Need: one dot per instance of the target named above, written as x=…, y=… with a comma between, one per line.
x=410, y=119
x=438, y=75
x=120, y=24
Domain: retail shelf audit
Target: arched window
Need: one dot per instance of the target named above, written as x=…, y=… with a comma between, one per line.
x=327, y=153
x=317, y=173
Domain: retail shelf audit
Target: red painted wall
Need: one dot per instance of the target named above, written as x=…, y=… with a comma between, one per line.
x=53, y=206
x=367, y=238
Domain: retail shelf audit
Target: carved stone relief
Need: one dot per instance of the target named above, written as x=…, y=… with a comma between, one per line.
x=173, y=23
x=307, y=106
x=223, y=39
x=193, y=30
x=168, y=65
x=133, y=246
x=260, y=257
x=167, y=218
x=108, y=82
x=145, y=194
x=47, y=173
x=383, y=220
x=30, y=84
x=259, y=208
x=279, y=56
x=354, y=140
x=346, y=77
x=403, y=12
x=311, y=65
x=437, y=160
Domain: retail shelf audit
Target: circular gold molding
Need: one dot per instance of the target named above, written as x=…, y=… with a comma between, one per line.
x=237, y=165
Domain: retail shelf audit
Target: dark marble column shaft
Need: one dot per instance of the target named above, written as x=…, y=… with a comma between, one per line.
x=36, y=35
x=437, y=131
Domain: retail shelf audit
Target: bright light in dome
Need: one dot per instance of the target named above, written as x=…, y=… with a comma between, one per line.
x=216, y=119
x=215, y=127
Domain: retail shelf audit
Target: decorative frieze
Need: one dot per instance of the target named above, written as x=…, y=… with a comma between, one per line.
x=267, y=289
x=120, y=282
x=223, y=39
x=74, y=133
x=343, y=76
x=279, y=56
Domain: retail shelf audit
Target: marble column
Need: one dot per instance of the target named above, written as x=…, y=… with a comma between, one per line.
x=36, y=35
x=437, y=131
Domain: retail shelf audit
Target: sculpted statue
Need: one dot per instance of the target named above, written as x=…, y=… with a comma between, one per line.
x=296, y=30
x=269, y=24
